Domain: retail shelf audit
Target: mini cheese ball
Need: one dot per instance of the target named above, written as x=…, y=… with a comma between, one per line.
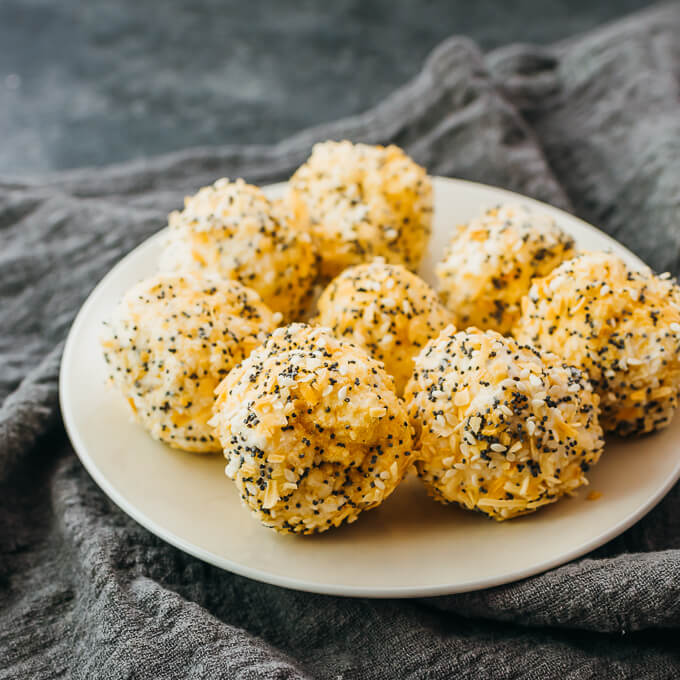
x=363, y=201
x=312, y=430
x=170, y=342
x=385, y=309
x=502, y=429
x=621, y=326
x=232, y=229
x=490, y=262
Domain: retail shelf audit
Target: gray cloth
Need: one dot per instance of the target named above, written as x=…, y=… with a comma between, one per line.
x=591, y=125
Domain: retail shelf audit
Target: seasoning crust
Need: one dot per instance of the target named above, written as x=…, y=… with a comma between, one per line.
x=312, y=431
x=171, y=340
x=385, y=309
x=360, y=202
x=621, y=326
x=232, y=229
x=502, y=429
x=490, y=262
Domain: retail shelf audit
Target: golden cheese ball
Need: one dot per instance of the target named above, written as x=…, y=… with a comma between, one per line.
x=490, y=262
x=385, y=309
x=621, y=326
x=363, y=201
x=501, y=428
x=171, y=340
x=232, y=229
x=312, y=430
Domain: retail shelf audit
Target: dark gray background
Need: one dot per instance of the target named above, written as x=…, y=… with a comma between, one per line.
x=88, y=82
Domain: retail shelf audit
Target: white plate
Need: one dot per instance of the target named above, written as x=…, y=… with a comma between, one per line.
x=410, y=546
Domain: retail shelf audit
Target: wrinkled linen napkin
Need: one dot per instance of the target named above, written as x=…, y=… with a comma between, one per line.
x=591, y=125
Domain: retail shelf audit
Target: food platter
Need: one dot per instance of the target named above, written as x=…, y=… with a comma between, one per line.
x=409, y=546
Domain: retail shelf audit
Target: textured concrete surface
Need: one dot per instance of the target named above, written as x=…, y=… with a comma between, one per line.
x=87, y=82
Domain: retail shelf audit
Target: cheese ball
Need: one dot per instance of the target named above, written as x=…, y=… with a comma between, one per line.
x=232, y=229
x=385, y=309
x=621, y=326
x=170, y=342
x=502, y=429
x=312, y=430
x=490, y=262
x=363, y=201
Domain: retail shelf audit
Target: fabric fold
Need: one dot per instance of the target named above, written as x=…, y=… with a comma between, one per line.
x=605, y=108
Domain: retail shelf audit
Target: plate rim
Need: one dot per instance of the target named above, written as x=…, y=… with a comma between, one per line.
x=69, y=420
